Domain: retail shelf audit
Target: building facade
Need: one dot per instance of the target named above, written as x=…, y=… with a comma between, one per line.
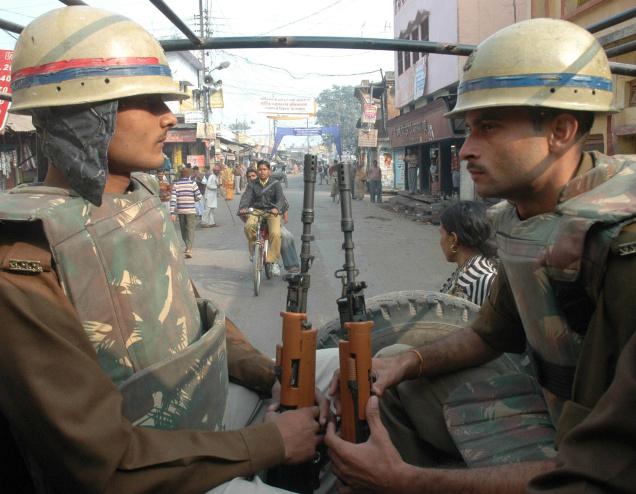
x=426, y=85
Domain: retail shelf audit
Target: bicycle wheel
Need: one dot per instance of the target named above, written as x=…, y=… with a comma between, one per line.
x=257, y=265
x=268, y=267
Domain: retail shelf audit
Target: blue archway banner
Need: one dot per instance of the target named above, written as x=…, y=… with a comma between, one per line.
x=307, y=132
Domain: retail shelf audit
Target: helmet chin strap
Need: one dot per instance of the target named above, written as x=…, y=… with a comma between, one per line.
x=76, y=140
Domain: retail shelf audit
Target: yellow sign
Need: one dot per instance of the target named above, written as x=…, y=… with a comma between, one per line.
x=216, y=99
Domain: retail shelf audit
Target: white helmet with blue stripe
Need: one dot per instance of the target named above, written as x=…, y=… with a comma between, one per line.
x=78, y=55
x=545, y=63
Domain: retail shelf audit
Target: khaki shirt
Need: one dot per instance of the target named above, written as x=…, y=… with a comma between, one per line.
x=612, y=325
x=66, y=413
x=599, y=455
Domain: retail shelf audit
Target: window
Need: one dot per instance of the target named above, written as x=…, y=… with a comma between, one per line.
x=631, y=93
x=407, y=59
x=424, y=30
x=400, y=63
x=415, y=35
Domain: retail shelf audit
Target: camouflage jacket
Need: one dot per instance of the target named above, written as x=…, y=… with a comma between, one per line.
x=555, y=263
x=121, y=268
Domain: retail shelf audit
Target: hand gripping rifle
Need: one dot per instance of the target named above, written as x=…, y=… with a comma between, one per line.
x=355, y=351
x=296, y=356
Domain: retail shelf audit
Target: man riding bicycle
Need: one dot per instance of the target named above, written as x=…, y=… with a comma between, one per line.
x=264, y=195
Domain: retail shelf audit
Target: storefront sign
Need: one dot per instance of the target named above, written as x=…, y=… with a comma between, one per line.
x=6, y=57
x=182, y=135
x=216, y=99
x=193, y=116
x=370, y=113
x=419, y=75
x=422, y=125
x=196, y=160
x=367, y=138
x=286, y=106
x=398, y=163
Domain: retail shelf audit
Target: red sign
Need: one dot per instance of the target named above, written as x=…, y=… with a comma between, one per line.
x=182, y=135
x=6, y=57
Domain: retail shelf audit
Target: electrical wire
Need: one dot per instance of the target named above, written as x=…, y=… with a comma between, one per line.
x=303, y=18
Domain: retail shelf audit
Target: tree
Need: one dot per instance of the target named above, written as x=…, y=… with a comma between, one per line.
x=338, y=106
x=243, y=126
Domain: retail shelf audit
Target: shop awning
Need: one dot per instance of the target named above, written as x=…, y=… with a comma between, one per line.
x=19, y=123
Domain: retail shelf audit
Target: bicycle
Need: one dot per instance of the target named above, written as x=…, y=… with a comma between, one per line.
x=261, y=245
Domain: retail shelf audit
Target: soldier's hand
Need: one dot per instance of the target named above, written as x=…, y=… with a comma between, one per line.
x=299, y=430
x=389, y=371
x=374, y=466
x=334, y=391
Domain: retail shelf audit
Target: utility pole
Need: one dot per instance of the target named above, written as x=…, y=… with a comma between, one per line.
x=205, y=90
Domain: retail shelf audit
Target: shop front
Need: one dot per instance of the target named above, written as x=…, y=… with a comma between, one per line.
x=182, y=142
x=428, y=135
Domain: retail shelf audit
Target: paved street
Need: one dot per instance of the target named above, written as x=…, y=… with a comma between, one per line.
x=392, y=253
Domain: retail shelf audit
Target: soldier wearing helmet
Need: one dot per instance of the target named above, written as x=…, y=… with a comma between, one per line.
x=115, y=377
x=566, y=239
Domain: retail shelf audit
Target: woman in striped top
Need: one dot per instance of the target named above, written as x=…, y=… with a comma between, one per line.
x=465, y=239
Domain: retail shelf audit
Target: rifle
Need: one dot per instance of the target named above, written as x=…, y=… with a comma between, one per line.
x=296, y=356
x=355, y=350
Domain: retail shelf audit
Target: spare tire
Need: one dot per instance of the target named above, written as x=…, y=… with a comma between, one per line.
x=416, y=318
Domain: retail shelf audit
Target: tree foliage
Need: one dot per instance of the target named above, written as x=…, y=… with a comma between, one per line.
x=339, y=106
x=240, y=126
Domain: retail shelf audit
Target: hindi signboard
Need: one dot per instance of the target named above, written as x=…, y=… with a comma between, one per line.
x=6, y=57
x=368, y=138
x=370, y=113
x=287, y=106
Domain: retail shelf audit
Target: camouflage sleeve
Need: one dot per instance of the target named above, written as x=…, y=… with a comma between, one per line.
x=67, y=413
x=498, y=322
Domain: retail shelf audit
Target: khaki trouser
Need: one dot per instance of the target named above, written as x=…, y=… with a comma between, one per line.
x=244, y=407
x=273, y=224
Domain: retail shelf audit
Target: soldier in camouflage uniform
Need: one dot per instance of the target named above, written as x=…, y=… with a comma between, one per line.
x=566, y=238
x=115, y=377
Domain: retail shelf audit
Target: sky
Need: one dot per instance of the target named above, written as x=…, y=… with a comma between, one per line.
x=255, y=73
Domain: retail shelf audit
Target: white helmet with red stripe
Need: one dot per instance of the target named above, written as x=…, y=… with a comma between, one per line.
x=77, y=55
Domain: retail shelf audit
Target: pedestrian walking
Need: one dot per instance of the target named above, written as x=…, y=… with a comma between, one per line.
x=237, y=178
x=164, y=191
x=361, y=182
x=227, y=182
x=411, y=169
x=210, y=199
x=375, y=182
x=185, y=194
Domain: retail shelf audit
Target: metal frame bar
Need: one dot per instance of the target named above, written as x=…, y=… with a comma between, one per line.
x=176, y=21
x=612, y=20
x=193, y=42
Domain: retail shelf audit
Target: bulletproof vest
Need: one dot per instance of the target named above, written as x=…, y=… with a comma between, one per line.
x=555, y=263
x=121, y=267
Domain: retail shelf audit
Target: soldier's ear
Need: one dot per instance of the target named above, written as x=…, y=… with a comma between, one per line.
x=563, y=132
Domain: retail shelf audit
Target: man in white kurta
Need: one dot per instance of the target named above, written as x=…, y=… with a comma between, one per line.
x=210, y=199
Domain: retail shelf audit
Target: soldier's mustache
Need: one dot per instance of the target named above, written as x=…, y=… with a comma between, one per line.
x=474, y=167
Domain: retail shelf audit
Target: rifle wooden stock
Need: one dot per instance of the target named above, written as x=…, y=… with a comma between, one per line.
x=296, y=359
x=355, y=380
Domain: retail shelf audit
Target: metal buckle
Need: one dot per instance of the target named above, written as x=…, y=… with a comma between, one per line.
x=25, y=266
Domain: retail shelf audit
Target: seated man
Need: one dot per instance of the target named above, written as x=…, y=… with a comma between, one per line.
x=563, y=295
x=265, y=196
x=115, y=377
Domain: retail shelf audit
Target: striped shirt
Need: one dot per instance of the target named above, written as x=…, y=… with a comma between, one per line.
x=472, y=280
x=184, y=194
